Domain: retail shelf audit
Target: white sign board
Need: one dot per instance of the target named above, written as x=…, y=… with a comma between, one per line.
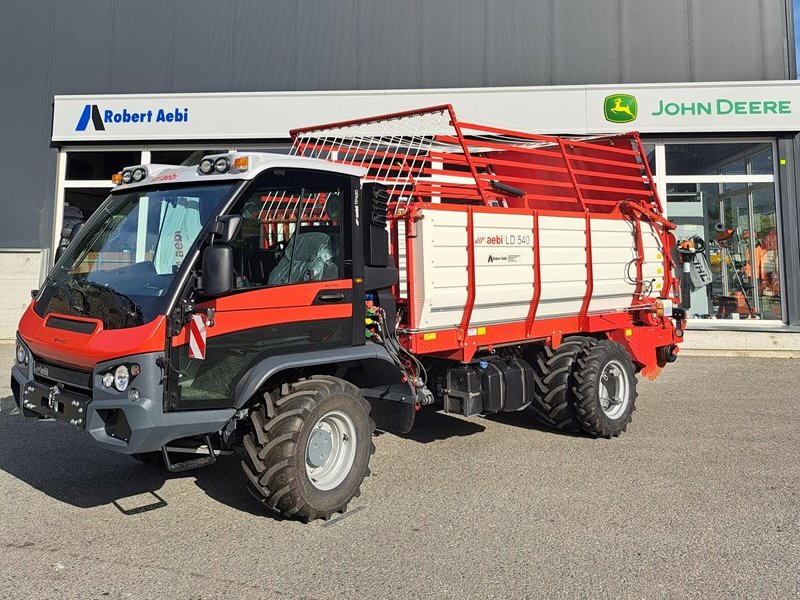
x=656, y=108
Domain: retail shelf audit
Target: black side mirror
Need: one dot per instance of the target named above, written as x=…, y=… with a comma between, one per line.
x=217, y=270
x=225, y=228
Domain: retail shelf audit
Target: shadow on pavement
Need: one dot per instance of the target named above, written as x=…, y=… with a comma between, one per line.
x=523, y=420
x=432, y=426
x=64, y=463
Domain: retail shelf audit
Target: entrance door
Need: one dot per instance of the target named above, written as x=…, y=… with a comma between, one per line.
x=739, y=225
x=293, y=289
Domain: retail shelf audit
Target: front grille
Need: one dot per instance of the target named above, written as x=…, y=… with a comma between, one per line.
x=49, y=374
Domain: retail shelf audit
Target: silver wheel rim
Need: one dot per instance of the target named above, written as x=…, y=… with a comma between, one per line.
x=614, y=389
x=331, y=450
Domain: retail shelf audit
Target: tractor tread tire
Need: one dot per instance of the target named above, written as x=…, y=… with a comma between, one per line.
x=274, y=456
x=587, y=389
x=554, y=374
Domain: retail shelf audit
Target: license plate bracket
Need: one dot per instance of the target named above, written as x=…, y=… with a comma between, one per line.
x=55, y=402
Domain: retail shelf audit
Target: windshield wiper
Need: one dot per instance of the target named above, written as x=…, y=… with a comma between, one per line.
x=81, y=309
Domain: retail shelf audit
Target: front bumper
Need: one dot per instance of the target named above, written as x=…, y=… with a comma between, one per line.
x=110, y=417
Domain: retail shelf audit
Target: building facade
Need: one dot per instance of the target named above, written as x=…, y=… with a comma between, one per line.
x=96, y=85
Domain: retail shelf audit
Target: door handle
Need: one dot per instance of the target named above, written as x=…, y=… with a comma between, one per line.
x=330, y=297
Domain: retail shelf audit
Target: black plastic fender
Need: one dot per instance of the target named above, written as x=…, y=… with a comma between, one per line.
x=387, y=376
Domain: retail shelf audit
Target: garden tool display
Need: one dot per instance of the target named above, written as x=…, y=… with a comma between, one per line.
x=728, y=238
x=695, y=272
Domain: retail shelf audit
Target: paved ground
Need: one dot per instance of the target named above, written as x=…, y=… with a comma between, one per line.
x=700, y=498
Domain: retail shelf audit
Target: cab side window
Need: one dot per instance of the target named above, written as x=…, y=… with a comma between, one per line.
x=290, y=234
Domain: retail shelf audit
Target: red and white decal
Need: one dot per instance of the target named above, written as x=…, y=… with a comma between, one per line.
x=197, y=337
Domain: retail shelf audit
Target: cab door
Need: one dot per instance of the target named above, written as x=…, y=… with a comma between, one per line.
x=293, y=286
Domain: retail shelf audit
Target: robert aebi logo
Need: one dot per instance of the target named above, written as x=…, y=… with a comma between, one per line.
x=620, y=108
x=100, y=118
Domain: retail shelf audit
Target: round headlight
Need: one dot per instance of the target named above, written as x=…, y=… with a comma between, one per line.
x=108, y=380
x=222, y=164
x=22, y=354
x=206, y=166
x=133, y=394
x=121, y=378
x=138, y=174
x=127, y=176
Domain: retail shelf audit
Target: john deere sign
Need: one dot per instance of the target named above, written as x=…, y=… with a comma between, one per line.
x=723, y=106
x=621, y=108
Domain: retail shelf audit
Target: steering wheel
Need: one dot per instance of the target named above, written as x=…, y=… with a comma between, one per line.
x=278, y=248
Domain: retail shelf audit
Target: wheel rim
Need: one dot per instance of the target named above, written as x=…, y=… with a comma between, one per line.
x=614, y=389
x=331, y=450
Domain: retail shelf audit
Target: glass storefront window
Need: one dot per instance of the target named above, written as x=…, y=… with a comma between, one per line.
x=751, y=158
x=738, y=223
x=99, y=165
x=650, y=152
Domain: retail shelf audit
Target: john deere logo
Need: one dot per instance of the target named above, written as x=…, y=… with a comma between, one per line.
x=620, y=108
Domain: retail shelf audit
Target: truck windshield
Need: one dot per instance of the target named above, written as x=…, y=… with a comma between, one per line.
x=122, y=267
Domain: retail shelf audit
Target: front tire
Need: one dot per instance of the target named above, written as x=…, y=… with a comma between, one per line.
x=309, y=449
x=605, y=389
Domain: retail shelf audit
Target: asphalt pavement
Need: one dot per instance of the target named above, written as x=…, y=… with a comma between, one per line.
x=699, y=498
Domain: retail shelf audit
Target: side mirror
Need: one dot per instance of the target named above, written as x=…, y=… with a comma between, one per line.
x=217, y=270
x=225, y=228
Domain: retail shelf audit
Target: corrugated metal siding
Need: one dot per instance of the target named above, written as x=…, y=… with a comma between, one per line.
x=518, y=42
x=726, y=40
x=141, y=46
x=654, y=32
x=452, y=43
x=263, y=45
x=25, y=123
x=325, y=45
x=387, y=44
x=585, y=40
x=115, y=46
x=201, y=46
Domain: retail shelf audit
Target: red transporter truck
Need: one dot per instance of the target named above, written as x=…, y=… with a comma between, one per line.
x=285, y=306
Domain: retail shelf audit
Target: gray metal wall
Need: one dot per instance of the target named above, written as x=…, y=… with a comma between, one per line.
x=114, y=46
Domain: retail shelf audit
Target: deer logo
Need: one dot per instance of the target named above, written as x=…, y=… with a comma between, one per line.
x=620, y=108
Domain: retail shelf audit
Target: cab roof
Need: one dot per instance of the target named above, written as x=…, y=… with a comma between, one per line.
x=257, y=162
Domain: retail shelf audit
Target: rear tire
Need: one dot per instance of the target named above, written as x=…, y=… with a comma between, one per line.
x=605, y=389
x=554, y=372
x=309, y=448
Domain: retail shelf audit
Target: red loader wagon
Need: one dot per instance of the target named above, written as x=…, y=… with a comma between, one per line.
x=282, y=307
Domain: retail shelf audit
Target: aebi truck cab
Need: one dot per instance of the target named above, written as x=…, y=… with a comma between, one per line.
x=282, y=306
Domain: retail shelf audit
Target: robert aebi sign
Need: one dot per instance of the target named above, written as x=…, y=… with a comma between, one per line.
x=101, y=117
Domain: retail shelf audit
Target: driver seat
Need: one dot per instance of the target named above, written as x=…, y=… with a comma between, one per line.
x=309, y=256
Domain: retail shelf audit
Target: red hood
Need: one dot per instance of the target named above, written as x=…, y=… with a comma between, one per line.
x=85, y=350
